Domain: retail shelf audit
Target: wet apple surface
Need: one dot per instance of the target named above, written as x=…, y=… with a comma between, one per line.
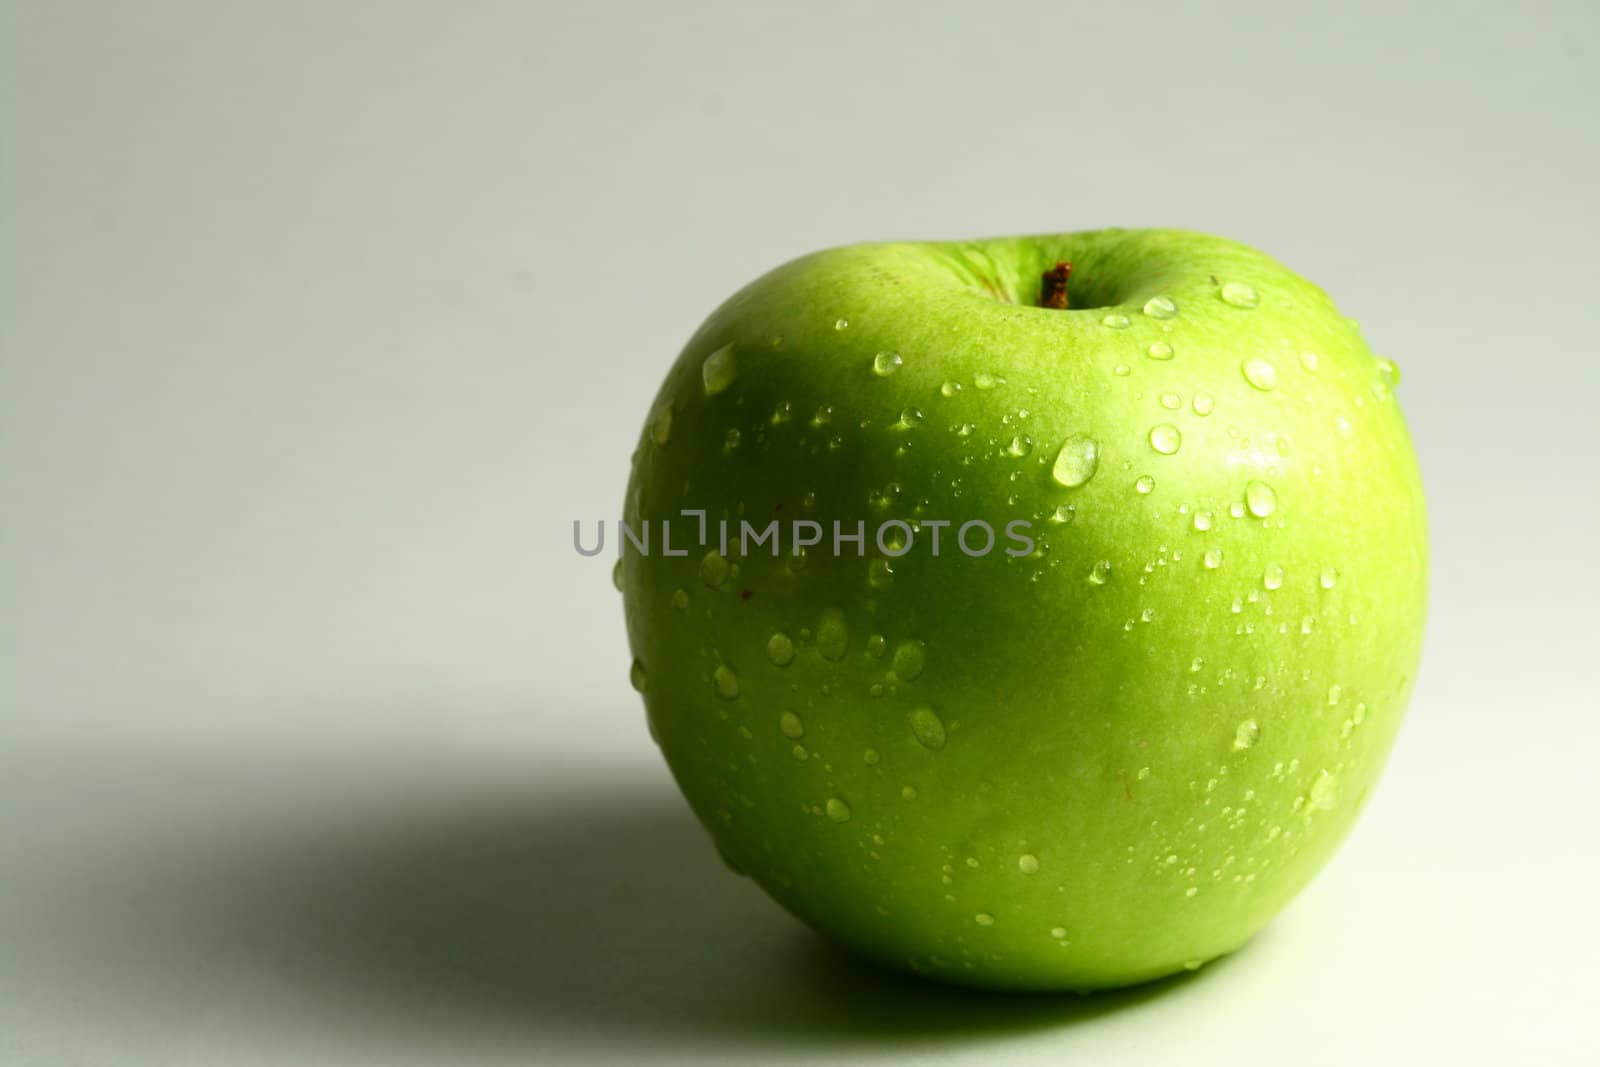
x=1091, y=595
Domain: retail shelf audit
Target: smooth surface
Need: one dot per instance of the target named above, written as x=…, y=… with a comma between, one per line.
x=319, y=326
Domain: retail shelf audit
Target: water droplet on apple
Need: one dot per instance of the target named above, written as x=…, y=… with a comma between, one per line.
x=718, y=370
x=876, y=646
x=983, y=918
x=1028, y=863
x=1202, y=404
x=725, y=682
x=838, y=810
x=886, y=363
x=949, y=389
x=927, y=728
x=1212, y=559
x=1063, y=514
x=1076, y=462
x=1310, y=362
x=1388, y=372
x=1160, y=307
x=1328, y=578
x=731, y=439
x=909, y=418
x=780, y=650
x=714, y=569
x=832, y=636
x=1272, y=577
x=1100, y=573
x=782, y=413
x=909, y=659
x=1307, y=624
x=1202, y=521
x=1144, y=485
x=870, y=757
x=1324, y=794
x=1020, y=445
x=1239, y=294
x=791, y=727
x=1165, y=438
x=661, y=426
x=880, y=575
x=1334, y=693
x=680, y=599
x=1159, y=350
x=908, y=792
x=985, y=380
x=1245, y=736
x=1115, y=321
x=1260, y=499
x=637, y=676
x=841, y=324
x=823, y=416
x=1121, y=370
x=1171, y=401
x=1259, y=373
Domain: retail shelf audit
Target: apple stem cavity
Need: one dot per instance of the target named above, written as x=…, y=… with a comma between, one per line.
x=1053, y=286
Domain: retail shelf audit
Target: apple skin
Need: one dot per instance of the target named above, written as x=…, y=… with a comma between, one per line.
x=1136, y=773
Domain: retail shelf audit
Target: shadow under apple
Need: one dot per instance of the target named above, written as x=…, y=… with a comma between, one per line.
x=603, y=912
x=592, y=914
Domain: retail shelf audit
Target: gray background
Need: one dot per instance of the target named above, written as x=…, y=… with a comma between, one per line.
x=320, y=322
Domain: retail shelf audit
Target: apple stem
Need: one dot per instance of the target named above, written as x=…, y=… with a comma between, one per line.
x=1053, y=286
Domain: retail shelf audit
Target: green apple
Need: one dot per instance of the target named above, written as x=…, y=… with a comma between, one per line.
x=1115, y=745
